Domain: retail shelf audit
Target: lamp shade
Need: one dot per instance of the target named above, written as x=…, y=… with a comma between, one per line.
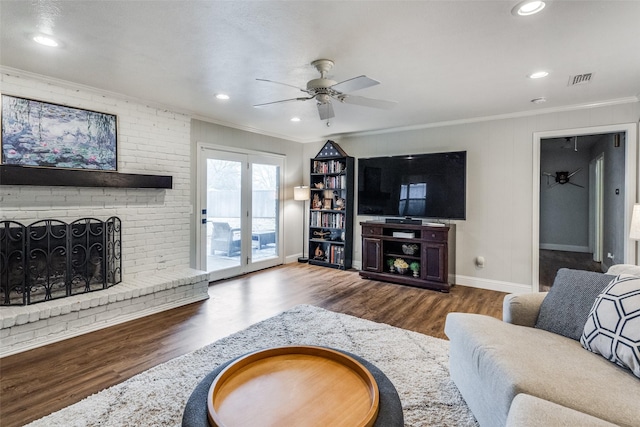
x=635, y=223
x=301, y=192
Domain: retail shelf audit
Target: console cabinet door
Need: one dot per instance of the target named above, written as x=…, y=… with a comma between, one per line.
x=434, y=259
x=371, y=254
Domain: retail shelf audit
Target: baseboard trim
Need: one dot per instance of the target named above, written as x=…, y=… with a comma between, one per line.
x=493, y=285
x=564, y=248
x=30, y=345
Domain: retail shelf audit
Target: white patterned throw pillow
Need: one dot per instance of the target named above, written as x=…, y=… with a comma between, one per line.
x=613, y=325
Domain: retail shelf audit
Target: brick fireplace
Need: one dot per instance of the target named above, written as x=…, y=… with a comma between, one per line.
x=155, y=250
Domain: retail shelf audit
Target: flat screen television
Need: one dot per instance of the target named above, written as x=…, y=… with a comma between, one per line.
x=429, y=186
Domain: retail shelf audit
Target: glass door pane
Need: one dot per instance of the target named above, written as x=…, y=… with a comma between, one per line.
x=223, y=213
x=264, y=207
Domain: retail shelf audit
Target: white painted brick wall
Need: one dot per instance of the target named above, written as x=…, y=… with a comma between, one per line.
x=155, y=223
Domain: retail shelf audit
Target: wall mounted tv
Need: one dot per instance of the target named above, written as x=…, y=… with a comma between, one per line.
x=420, y=185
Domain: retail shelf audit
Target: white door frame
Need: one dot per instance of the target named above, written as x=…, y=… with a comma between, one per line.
x=596, y=196
x=200, y=181
x=630, y=182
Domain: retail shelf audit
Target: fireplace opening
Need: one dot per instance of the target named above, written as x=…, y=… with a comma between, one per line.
x=50, y=259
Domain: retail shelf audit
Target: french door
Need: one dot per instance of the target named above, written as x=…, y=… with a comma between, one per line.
x=240, y=211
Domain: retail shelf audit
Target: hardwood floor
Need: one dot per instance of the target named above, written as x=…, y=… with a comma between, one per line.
x=552, y=261
x=38, y=382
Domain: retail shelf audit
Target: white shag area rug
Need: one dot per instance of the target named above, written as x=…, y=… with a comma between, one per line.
x=416, y=364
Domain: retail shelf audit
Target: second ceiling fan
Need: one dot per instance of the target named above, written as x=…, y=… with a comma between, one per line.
x=324, y=90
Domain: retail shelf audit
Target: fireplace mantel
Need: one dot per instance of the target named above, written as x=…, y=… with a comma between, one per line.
x=21, y=175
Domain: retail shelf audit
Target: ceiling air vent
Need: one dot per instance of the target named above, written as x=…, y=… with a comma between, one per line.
x=580, y=79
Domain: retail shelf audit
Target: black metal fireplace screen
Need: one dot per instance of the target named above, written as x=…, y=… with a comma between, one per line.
x=51, y=259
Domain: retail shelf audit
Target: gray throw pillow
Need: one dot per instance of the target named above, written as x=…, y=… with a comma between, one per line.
x=565, y=309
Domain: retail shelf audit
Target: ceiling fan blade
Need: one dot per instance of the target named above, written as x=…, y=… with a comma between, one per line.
x=325, y=110
x=284, y=100
x=574, y=172
x=577, y=185
x=368, y=102
x=354, y=84
x=284, y=84
x=548, y=174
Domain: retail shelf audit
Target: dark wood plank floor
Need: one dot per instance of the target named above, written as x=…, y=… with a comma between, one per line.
x=38, y=382
x=552, y=261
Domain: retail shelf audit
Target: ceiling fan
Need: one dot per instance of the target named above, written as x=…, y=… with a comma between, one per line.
x=323, y=90
x=562, y=178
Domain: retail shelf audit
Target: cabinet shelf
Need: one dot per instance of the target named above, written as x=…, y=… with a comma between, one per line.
x=403, y=256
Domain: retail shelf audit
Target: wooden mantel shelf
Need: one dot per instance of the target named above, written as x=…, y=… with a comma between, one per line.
x=21, y=175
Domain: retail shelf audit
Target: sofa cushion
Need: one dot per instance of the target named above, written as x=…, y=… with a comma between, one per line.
x=565, y=309
x=492, y=361
x=530, y=411
x=613, y=326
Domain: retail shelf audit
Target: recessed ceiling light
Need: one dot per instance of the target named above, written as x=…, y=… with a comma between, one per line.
x=527, y=7
x=538, y=75
x=45, y=40
x=222, y=96
x=540, y=100
x=295, y=119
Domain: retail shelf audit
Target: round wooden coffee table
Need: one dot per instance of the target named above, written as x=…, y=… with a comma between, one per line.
x=295, y=385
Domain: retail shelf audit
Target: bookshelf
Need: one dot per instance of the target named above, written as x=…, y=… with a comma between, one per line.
x=331, y=209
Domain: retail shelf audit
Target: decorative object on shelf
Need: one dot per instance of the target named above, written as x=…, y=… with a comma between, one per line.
x=409, y=249
x=390, y=262
x=415, y=267
x=321, y=234
x=302, y=193
x=316, y=203
x=401, y=265
x=331, y=213
x=339, y=202
x=318, y=254
x=36, y=133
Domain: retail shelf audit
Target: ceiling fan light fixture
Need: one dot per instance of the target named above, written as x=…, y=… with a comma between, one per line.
x=45, y=40
x=538, y=74
x=528, y=7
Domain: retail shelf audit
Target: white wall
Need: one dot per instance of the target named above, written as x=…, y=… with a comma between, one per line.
x=155, y=223
x=499, y=224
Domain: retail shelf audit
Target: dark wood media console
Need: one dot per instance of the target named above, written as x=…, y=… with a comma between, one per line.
x=433, y=246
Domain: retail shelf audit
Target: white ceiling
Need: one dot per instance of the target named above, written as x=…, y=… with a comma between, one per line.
x=441, y=60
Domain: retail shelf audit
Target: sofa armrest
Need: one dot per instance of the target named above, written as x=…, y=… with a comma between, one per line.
x=522, y=309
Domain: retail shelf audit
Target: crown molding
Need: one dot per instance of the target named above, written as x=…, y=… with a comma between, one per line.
x=528, y=113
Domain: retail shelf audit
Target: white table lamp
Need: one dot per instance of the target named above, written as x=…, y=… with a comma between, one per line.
x=634, y=233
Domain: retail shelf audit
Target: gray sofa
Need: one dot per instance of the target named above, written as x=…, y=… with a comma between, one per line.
x=514, y=373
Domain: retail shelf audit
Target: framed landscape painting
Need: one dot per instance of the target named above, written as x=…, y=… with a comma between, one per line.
x=36, y=133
